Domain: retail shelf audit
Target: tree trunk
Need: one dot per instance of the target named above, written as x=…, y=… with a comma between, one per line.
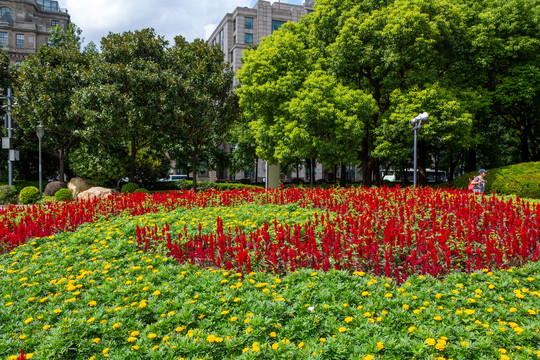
x=311, y=173
x=422, y=154
x=471, y=160
x=133, y=160
x=523, y=137
x=256, y=168
x=451, y=166
x=343, y=178
x=194, y=159
x=61, y=158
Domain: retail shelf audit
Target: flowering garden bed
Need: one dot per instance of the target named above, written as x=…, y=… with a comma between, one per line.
x=322, y=274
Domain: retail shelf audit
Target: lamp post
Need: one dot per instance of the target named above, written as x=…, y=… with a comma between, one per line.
x=40, y=130
x=416, y=123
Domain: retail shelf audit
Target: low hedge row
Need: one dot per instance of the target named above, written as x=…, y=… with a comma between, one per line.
x=521, y=179
x=204, y=185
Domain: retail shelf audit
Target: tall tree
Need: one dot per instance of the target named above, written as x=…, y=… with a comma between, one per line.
x=44, y=89
x=123, y=102
x=200, y=103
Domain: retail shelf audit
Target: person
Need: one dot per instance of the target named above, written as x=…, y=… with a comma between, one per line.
x=480, y=182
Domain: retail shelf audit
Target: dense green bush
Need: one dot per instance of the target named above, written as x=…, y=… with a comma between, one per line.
x=206, y=185
x=29, y=195
x=129, y=188
x=8, y=195
x=142, y=190
x=63, y=195
x=522, y=180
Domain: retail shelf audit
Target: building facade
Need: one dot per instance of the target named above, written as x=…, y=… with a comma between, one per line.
x=25, y=25
x=245, y=27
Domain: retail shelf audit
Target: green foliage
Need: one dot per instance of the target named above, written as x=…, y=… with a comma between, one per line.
x=123, y=101
x=151, y=165
x=63, y=195
x=129, y=188
x=200, y=104
x=104, y=165
x=205, y=185
x=142, y=190
x=522, y=180
x=8, y=194
x=29, y=195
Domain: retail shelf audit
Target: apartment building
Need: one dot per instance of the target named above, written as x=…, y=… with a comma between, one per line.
x=25, y=25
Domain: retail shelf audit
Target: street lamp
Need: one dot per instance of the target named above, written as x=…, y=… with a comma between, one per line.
x=40, y=130
x=416, y=123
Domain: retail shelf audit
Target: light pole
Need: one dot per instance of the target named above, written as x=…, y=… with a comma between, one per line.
x=416, y=123
x=40, y=130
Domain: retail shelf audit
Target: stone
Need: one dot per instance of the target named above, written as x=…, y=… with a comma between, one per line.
x=78, y=185
x=52, y=187
x=96, y=192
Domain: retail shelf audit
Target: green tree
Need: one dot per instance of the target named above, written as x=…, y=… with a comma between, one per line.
x=123, y=102
x=44, y=89
x=200, y=104
x=505, y=62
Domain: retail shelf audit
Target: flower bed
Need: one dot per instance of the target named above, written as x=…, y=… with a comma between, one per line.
x=95, y=293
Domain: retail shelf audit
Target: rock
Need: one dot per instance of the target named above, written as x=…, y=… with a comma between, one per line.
x=78, y=185
x=96, y=192
x=52, y=187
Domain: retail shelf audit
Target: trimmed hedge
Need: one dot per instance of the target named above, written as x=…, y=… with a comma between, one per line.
x=8, y=195
x=129, y=188
x=63, y=195
x=521, y=179
x=204, y=185
x=29, y=195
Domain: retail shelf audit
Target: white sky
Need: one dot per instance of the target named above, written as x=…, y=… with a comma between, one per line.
x=189, y=18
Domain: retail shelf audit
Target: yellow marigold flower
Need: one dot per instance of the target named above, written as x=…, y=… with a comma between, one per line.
x=22, y=337
x=91, y=320
x=96, y=340
x=440, y=346
x=166, y=338
x=92, y=303
x=367, y=314
x=438, y=318
x=255, y=347
x=275, y=346
x=46, y=327
x=131, y=339
x=237, y=299
x=135, y=347
x=406, y=307
x=211, y=338
x=156, y=293
x=430, y=341
x=512, y=309
x=116, y=325
x=273, y=334
x=348, y=319
x=531, y=312
x=29, y=320
x=224, y=312
x=135, y=333
x=342, y=329
x=234, y=318
x=412, y=328
x=505, y=357
x=301, y=345
x=380, y=345
x=368, y=357
x=151, y=336
x=57, y=311
x=247, y=321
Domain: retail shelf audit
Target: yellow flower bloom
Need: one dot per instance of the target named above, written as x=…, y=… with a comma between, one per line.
x=348, y=319
x=342, y=329
x=380, y=345
x=275, y=346
x=430, y=341
x=96, y=340
x=152, y=336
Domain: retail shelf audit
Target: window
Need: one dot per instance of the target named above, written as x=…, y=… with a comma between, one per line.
x=234, y=39
x=19, y=40
x=276, y=24
x=234, y=25
x=6, y=14
x=221, y=39
x=54, y=23
x=231, y=56
x=249, y=23
x=214, y=42
x=4, y=38
x=249, y=39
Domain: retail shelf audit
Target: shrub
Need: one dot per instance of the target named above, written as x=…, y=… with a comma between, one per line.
x=297, y=180
x=129, y=188
x=63, y=195
x=142, y=190
x=53, y=187
x=29, y=195
x=8, y=194
x=518, y=179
